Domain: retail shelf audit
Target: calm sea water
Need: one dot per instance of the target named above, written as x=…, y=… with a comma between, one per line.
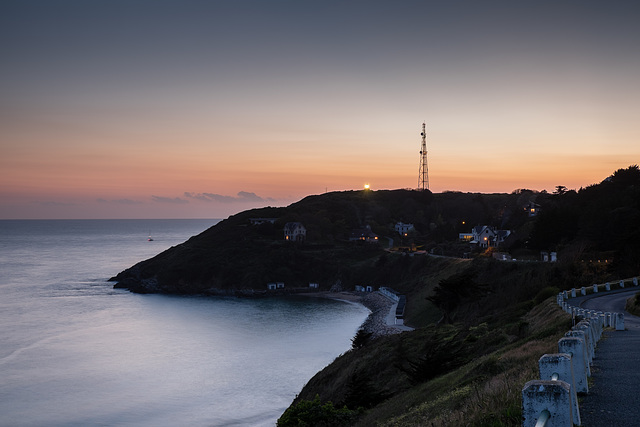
x=76, y=352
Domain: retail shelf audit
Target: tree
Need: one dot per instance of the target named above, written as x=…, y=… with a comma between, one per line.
x=560, y=189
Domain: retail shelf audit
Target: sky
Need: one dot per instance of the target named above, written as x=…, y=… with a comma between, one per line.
x=202, y=109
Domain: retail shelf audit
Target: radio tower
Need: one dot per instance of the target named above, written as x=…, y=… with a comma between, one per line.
x=423, y=174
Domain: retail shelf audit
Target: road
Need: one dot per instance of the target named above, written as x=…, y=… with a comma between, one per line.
x=613, y=392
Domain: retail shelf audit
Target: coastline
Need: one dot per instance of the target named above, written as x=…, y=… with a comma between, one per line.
x=380, y=321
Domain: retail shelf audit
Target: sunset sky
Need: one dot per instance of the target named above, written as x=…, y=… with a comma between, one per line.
x=201, y=109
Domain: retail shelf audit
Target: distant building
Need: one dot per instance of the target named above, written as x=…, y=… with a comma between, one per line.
x=295, y=232
x=314, y=285
x=258, y=221
x=363, y=234
x=272, y=286
x=486, y=236
x=533, y=209
x=403, y=228
x=467, y=237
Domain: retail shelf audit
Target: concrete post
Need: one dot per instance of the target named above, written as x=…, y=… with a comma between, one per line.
x=619, y=321
x=613, y=320
x=574, y=333
x=566, y=294
x=573, y=292
x=622, y=283
x=583, y=291
x=560, y=366
x=595, y=289
x=607, y=319
x=590, y=341
x=576, y=348
x=547, y=398
x=607, y=286
x=599, y=324
x=635, y=281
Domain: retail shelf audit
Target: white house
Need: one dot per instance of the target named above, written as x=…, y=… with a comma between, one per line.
x=485, y=236
x=403, y=228
x=295, y=232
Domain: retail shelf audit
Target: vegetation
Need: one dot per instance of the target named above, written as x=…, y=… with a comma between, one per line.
x=633, y=305
x=481, y=324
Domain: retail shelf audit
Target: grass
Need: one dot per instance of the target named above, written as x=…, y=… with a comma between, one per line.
x=483, y=392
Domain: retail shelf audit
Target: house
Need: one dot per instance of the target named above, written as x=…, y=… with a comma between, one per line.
x=403, y=228
x=548, y=256
x=533, y=209
x=272, y=286
x=467, y=237
x=313, y=286
x=486, y=236
x=295, y=232
x=363, y=234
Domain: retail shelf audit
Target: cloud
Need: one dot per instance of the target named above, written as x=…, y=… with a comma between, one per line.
x=120, y=201
x=53, y=203
x=242, y=197
x=174, y=200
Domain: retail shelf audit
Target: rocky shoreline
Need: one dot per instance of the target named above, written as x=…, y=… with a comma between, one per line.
x=378, y=304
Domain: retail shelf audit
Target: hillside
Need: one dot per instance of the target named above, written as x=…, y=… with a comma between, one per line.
x=595, y=229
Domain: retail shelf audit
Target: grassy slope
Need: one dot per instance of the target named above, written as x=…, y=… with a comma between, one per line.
x=472, y=369
x=484, y=391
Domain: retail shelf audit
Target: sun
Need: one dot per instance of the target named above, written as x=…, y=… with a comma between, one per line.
x=367, y=186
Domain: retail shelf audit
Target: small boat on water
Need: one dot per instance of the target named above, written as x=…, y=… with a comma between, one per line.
x=150, y=239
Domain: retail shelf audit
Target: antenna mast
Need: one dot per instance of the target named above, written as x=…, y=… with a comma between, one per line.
x=423, y=174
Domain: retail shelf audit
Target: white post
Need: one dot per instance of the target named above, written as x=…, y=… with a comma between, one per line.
x=619, y=321
x=559, y=367
x=622, y=283
x=591, y=343
x=583, y=290
x=595, y=289
x=551, y=399
x=575, y=347
x=635, y=281
x=573, y=292
x=607, y=286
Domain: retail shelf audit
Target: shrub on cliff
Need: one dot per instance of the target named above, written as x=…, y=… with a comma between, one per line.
x=314, y=413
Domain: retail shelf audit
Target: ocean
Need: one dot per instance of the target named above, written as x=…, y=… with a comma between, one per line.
x=76, y=352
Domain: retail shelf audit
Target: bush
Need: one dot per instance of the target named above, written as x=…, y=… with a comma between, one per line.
x=313, y=413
